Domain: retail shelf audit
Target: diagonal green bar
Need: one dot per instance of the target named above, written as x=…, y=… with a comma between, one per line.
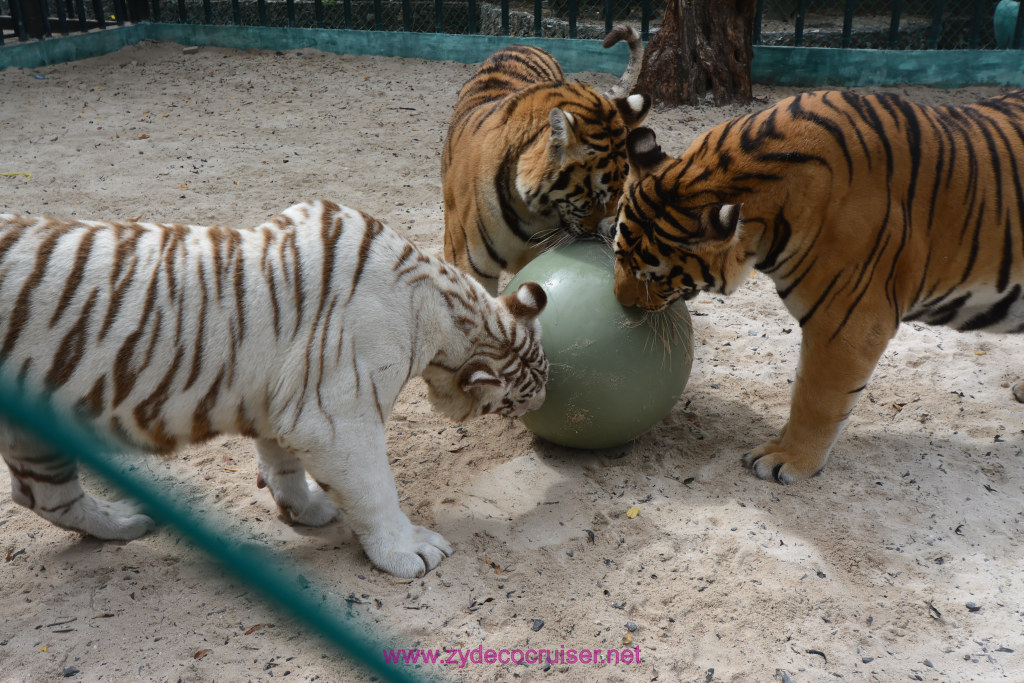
x=260, y=571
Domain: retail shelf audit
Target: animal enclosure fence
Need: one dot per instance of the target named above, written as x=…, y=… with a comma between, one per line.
x=872, y=24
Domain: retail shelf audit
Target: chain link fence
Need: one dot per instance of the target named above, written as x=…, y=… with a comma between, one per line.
x=520, y=18
x=871, y=24
x=26, y=19
x=884, y=24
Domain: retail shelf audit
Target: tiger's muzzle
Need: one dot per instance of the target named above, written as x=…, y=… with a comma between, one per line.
x=632, y=292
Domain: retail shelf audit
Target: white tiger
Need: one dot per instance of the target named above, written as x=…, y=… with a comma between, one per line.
x=299, y=333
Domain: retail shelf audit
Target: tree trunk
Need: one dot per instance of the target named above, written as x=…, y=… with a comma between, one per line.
x=703, y=46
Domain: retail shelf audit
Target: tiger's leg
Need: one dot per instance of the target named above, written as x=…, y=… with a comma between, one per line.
x=478, y=265
x=357, y=477
x=1018, y=390
x=300, y=501
x=47, y=483
x=829, y=380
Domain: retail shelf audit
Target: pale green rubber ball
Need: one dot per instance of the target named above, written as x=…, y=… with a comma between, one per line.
x=614, y=374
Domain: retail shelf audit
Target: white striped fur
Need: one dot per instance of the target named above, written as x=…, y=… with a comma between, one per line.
x=299, y=332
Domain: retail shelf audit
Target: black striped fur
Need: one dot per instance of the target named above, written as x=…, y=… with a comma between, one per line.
x=299, y=333
x=865, y=211
x=531, y=159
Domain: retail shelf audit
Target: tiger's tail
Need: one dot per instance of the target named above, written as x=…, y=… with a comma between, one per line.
x=636, y=58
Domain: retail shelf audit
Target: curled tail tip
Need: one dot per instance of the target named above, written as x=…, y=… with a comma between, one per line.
x=622, y=32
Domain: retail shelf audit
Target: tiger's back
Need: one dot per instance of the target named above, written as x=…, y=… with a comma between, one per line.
x=145, y=324
x=865, y=211
x=508, y=71
x=878, y=205
x=530, y=156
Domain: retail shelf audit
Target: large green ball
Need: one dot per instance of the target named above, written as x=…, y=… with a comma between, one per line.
x=615, y=372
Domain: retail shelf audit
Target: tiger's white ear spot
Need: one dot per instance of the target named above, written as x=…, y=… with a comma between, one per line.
x=725, y=222
x=561, y=127
x=528, y=301
x=633, y=109
x=729, y=214
x=643, y=152
x=482, y=377
x=643, y=144
x=527, y=297
x=476, y=374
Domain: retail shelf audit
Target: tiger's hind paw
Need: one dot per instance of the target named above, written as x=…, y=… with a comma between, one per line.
x=771, y=461
x=1018, y=390
x=121, y=520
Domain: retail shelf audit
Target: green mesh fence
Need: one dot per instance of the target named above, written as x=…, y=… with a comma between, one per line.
x=868, y=24
x=879, y=24
x=272, y=579
x=865, y=24
x=588, y=19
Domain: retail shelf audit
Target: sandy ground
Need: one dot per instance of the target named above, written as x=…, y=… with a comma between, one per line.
x=902, y=561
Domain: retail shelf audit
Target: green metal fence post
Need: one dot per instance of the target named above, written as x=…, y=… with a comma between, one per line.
x=1018, y=28
x=257, y=569
x=801, y=13
x=935, y=30
x=847, y=22
x=894, y=24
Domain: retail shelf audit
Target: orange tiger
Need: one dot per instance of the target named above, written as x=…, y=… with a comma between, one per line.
x=865, y=211
x=531, y=157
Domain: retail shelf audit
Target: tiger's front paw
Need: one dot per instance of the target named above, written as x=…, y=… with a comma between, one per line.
x=407, y=554
x=772, y=460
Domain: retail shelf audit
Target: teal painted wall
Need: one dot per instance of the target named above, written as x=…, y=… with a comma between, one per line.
x=816, y=66
x=34, y=54
x=573, y=55
x=803, y=67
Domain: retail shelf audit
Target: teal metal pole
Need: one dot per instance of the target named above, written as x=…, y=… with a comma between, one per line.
x=262, y=572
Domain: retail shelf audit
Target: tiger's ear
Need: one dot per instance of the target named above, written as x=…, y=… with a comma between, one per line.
x=723, y=220
x=643, y=152
x=527, y=302
x=475, y=375
x=563, y=129
x=633, y=109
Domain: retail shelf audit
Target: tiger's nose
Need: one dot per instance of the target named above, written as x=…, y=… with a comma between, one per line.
x=627, y=287
x=596, y=220
x=606, y=227
x=535, y=402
